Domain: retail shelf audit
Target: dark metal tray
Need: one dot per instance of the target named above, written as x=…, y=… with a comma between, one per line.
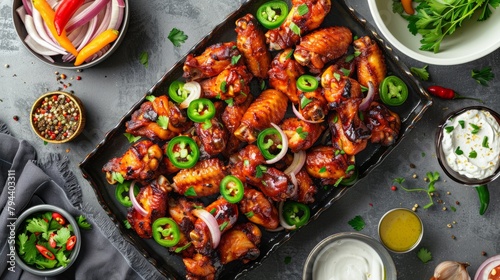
x=115, y=144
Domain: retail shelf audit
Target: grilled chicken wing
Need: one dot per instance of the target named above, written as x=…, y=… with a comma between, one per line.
x=340, y=140
x=153, y=198
x=204, y=178
x=301, y=135
x=144, y=121
x=240, y=243
x=251, y=43
x=370, y=63
x=232, y=83
x=214, y=138
x=269, y=107
x=225, y=214
x=307, y=188
x=199, y=267
x=284, y=36
x=180, y=209
x=383, y=123
x=284, y=73
x=316, y=107
x=211, y=62
x=274, y=184
x=263, y=211
x=327, y=164
x=232, y=115
x=322, y=46
x=140, y=162
x=244, y=164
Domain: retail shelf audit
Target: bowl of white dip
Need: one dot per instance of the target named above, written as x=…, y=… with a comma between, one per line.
x=349, y=255
x=468, y=145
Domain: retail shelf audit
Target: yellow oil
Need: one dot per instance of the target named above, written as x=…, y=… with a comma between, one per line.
x=400, y=230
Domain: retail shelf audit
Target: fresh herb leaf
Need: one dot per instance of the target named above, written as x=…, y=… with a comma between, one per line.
x=295, y=29
x=62, y=236
x=453, y=208
x=399, y=180
x=37, y=225
x=302, y=9
x=62, y=259
x=45, y=142
x=349, y=58
x=29, y=251
x=144, y=59
x=449, y=129
x=322, y=169
x=180, y=249
x=432, y=178
x=357, y=223
x=483, y=76
x=472, y=154
x=229, y=102
x=462, y=124
x=190, y=192
x=304, y=101
x=162, y=121
x=289, y=54
x=485, y=143
x=357, y=53
x=150, y=98
x=249, y=214
x=458, y=151
x=346, y=72
x=131, y=138
x=288, y=259
x=117, y=176
x=223, y=86
x=235, y=59
x=423, y=154
x=177, y=37
x=302, y=134
x=259, y=171
x=82, y=222
x=421, y=73
x=350, y=168
x=424, y=255
x=223, y=225
x=475, y=128
x=339, y=180
x=336, y=76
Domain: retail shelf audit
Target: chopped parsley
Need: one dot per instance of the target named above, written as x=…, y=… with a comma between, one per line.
x=357, y=223
x=462, y=123
x=144, y=59
x=458, y=151
x=162, y=121
x=304, y=101
x=82, y=222
x=259, y=171
x=424, y=255
x=190, y=192
x=484, y=75
x=223, y=86
x=421, y=73
x=472, y=154
x=302, y=134
x=449, y=129
x=235, y=59
x=322, y=169
x=131, y=138
x=177, y=37
x=475, y=128
x=485, y=143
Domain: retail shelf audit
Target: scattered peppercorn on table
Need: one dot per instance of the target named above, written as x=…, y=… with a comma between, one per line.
x=454, y=229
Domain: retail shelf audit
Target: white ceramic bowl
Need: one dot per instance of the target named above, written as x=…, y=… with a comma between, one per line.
x=471, y=41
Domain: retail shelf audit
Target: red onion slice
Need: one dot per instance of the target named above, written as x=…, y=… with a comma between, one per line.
x=211, y=223
x=88, y=35
x=102, y=24
x=42, y=31
x=369, y=97
x=194, y=89
x=39, y=49
x=298, y=161
x=283, y=223
x=135, y=203
x=86, y=15
x=299, y=115
x=115, y=10
x=31, y=29
x=284, y=146
x=21, y=12
x=28, y=6
x=295, y=184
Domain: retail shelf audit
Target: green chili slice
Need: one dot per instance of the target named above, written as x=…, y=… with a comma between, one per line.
x=183, y=152
x=296, y=213
x=201, y=110
x=269, y=142
x=307, y=83
x=177, y=92
x=166, y=232
x=121, y=193
x=272, y=14
x=393, y=91
x=232, y=189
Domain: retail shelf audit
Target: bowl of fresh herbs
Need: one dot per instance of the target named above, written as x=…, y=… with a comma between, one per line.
x=439, y=32
x=48, y=240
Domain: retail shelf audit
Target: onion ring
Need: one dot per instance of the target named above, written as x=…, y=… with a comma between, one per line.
x=299, y=159
x=194, y=89
x=283, y=223
x=211, y=223
x=301, y=117
x=134, y=201
x=369, y=97
x=284, y=146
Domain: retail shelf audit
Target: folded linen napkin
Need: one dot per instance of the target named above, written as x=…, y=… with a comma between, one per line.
x=104, y=253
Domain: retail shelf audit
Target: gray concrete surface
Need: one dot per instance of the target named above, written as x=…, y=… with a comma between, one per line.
x=109, y=89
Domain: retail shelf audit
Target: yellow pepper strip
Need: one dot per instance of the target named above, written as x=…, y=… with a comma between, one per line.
x=48, y=16
x=96, y=45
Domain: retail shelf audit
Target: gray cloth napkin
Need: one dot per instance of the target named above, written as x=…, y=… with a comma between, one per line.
x=50, y=181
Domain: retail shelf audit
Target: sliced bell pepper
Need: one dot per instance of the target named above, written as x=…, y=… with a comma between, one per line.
x=121, y=193
x=232, y=189
x=307, y=83
x=201, y=110
x=183, y=152
x=65, y=10
x=269, y=142
x=296, y=213
x=272, y=14
x=177, y=92
x=166, y=232
x=393, y=91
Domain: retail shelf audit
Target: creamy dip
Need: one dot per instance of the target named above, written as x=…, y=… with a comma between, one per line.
x=348, y=259
x=471, y=144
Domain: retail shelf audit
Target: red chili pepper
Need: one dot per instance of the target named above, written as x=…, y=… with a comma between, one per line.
x=59, y=218
x=64, y=12
x=448, y=93
x=71, y=243
x=45, y=252
x=52, y=242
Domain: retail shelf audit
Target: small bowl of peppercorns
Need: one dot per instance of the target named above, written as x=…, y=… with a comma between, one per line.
x=57, y=117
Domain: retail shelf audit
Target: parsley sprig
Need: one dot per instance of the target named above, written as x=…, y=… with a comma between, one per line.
x=177, y=37
x=483, y=76
x=432, y=178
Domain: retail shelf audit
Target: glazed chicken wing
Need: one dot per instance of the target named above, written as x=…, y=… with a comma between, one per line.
x=211, y=62
x=322, y=46
x=180, y=210
x=284, y=36
x=327, y=164
x=204, y=178
x=284, y=73
x=240, y=243
x=263, y=211
x=301, y=135
x=269, y=107
x=153, y=198
x=199, y=267
x=244, y=164
x=307, y=188
x=251, y=43
x=340, y=140
x=232, y=115
x=274, y=184
x=232, y=83
x=383, y=123
x=370, y=63
x=315, y=107
x=214, y=138
x=140, y=162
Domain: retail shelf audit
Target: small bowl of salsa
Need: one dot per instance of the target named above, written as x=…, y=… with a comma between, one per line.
x=400, y=230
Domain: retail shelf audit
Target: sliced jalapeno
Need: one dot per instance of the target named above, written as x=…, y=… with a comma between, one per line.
x=296, y=213
x=166, y=232
x=121, y=193
x=393, y=91
x=272, y=14
x=201, y=110
x=307, y=83
x=177, y=92
x=183, y=152
x=232, y=189
x=269, y=142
